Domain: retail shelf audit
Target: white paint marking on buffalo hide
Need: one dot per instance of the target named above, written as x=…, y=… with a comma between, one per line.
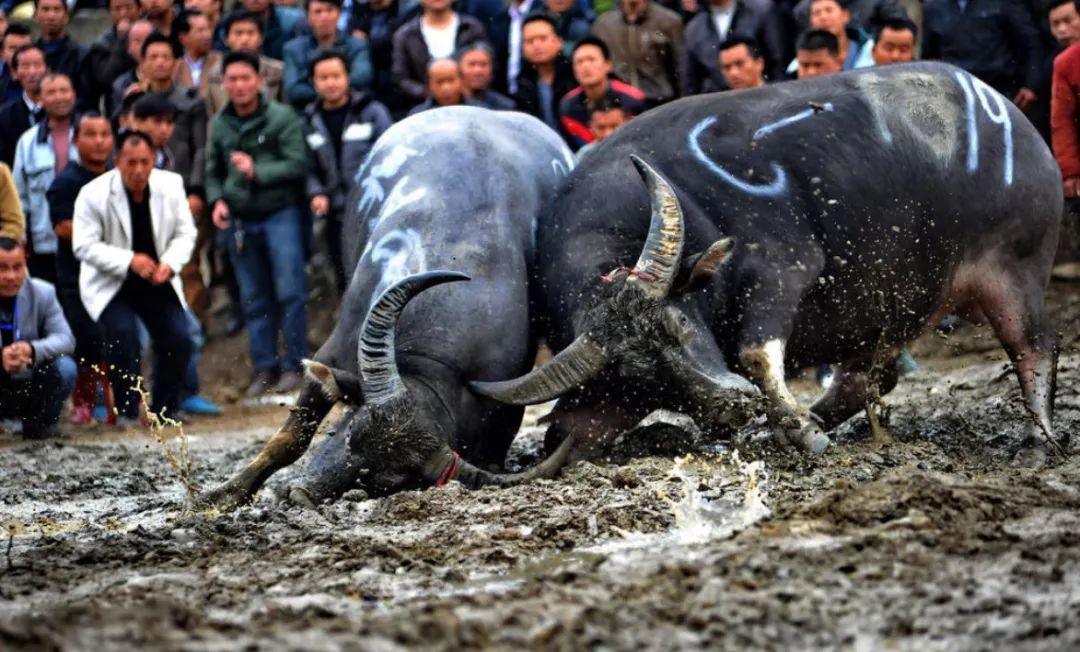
x=997, y=110
x=774, y=189
x=371, y=181
x=399, y=254
x=790, y=120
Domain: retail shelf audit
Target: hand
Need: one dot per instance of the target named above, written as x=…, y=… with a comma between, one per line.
x=243, y=163
x=1071, y=186
x=143, y=266
x=320, y=205
x=221, y=214
x=197, y=206
x=63, y=230
x=162, y=274
x=359, y=34
x=1025, y=99
x=17, y=357
x=135, y=87
x=123, y=27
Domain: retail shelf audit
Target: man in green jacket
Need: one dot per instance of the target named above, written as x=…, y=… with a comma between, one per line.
x=255, y=171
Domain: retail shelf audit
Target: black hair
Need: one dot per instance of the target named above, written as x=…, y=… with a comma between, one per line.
x=241, y=56
x=128, y=103
x=10, y=244
x=182, y=24
x=905, y=25
x=476, y=46
x=88, y=115
x=605, y=104
x=336, y=3
x=157, y=37
x=1054, y=4
x=153, y=105
x=16, y=29
x=243, y=16
x=605, y=51
x=544, y=18
x=20, y=50
x=128, y=135
x=62, y=2
x=736, y=41
x=844, y=4
x=818, y=39
x=327, y=54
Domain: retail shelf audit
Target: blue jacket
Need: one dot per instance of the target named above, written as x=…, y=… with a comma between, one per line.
x=34, y=170
x=301, y=50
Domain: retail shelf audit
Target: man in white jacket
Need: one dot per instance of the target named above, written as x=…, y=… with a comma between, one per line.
x=133, y=232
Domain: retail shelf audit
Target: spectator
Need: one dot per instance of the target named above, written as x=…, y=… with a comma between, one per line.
x=243, y=33
x=646, y=45
x=477, y=62
x=341, y=127
x=854, y=45
x=162, y=15
x=38, y=373
x=995, y=40
x=132, y=80
x=435, y=34
x=253, y=185
x=108, y=56
x=445, y=87
x=720, y=21
x=592, y=69
x=1064, y=22
x=376, y=21
x=28, y=66
x=1064, y=116
x=505, y=33
x=93, y=138
x=209, y=8
x=133, y=232
x=817, y=53
x=62, y=53
x=742, y=64
x=193, y=30
x=894, y=42
x=12, y=221
x=16, y=36
x=277, y=24
x=40, y=153
x=548, y=74
x=323, y=16
x=867, y=15
x=604, y=118
x=123, y=119
x=571, y=22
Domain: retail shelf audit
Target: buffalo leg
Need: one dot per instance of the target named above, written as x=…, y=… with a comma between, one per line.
x=284, y=448
x=1015, y=309
x=794, y=423
x=849, y=391
x=332, y=471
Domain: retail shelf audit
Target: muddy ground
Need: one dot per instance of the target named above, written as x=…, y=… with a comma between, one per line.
x=932, y=542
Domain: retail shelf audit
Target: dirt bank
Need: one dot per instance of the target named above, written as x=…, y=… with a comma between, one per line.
x=932, y=542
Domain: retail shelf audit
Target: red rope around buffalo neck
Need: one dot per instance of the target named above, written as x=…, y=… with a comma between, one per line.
x=451, y=470
x=629, y=273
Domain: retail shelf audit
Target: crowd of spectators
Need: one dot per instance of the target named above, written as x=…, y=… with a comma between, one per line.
x=176, y=164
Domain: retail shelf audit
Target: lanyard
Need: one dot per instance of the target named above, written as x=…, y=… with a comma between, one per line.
x=14, y=325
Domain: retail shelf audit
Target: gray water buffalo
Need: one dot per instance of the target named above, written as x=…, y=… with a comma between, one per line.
x=821, y=221
x=455, y=189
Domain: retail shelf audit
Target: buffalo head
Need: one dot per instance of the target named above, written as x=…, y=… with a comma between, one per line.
x=645, y=326
x=397, y=442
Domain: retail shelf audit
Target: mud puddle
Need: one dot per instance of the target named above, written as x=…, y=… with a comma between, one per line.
x=931, y=542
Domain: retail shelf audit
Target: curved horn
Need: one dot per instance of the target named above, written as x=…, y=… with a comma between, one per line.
x=573, y=366
x=655, y=269
x=378, y=365
x=450, y=466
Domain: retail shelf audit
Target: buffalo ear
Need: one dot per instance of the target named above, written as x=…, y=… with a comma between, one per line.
x=698, y=269
x=336, y=384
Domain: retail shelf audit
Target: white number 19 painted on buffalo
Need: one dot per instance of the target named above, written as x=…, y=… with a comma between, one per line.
x=996, y=109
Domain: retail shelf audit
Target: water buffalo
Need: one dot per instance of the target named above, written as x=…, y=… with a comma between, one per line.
x=451, y=189
x=820, y=221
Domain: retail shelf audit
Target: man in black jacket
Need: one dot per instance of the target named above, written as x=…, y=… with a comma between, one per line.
x=62, y=53
x=28, y=65
x=108, y=57
x=16, y=36
x=448, y=29
x=547, y=74
x=340, y=128
x=377, y=20
x=995, y=40
x=747, y=19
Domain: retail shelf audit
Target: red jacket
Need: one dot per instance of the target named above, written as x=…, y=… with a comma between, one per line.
x=1064, y=106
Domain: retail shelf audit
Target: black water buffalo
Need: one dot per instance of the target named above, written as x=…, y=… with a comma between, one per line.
x=819, y=221
x=452, y=189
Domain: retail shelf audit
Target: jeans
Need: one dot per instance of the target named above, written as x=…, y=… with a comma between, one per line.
x=39, y=399
x=190, y=385
x=160, y=310
x=269, y=268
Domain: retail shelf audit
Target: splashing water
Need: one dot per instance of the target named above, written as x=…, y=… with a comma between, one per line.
x=180, y=459
x=700, y=518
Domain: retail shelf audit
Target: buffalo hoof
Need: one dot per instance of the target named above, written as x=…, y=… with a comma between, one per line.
x=804, y=434
x=1032, y=456
x=300, y=496
x=224, y=498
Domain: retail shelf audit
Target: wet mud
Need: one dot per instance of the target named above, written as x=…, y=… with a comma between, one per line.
x=933, y=541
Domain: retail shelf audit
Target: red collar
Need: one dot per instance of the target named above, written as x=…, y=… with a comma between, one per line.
x=450, y=472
